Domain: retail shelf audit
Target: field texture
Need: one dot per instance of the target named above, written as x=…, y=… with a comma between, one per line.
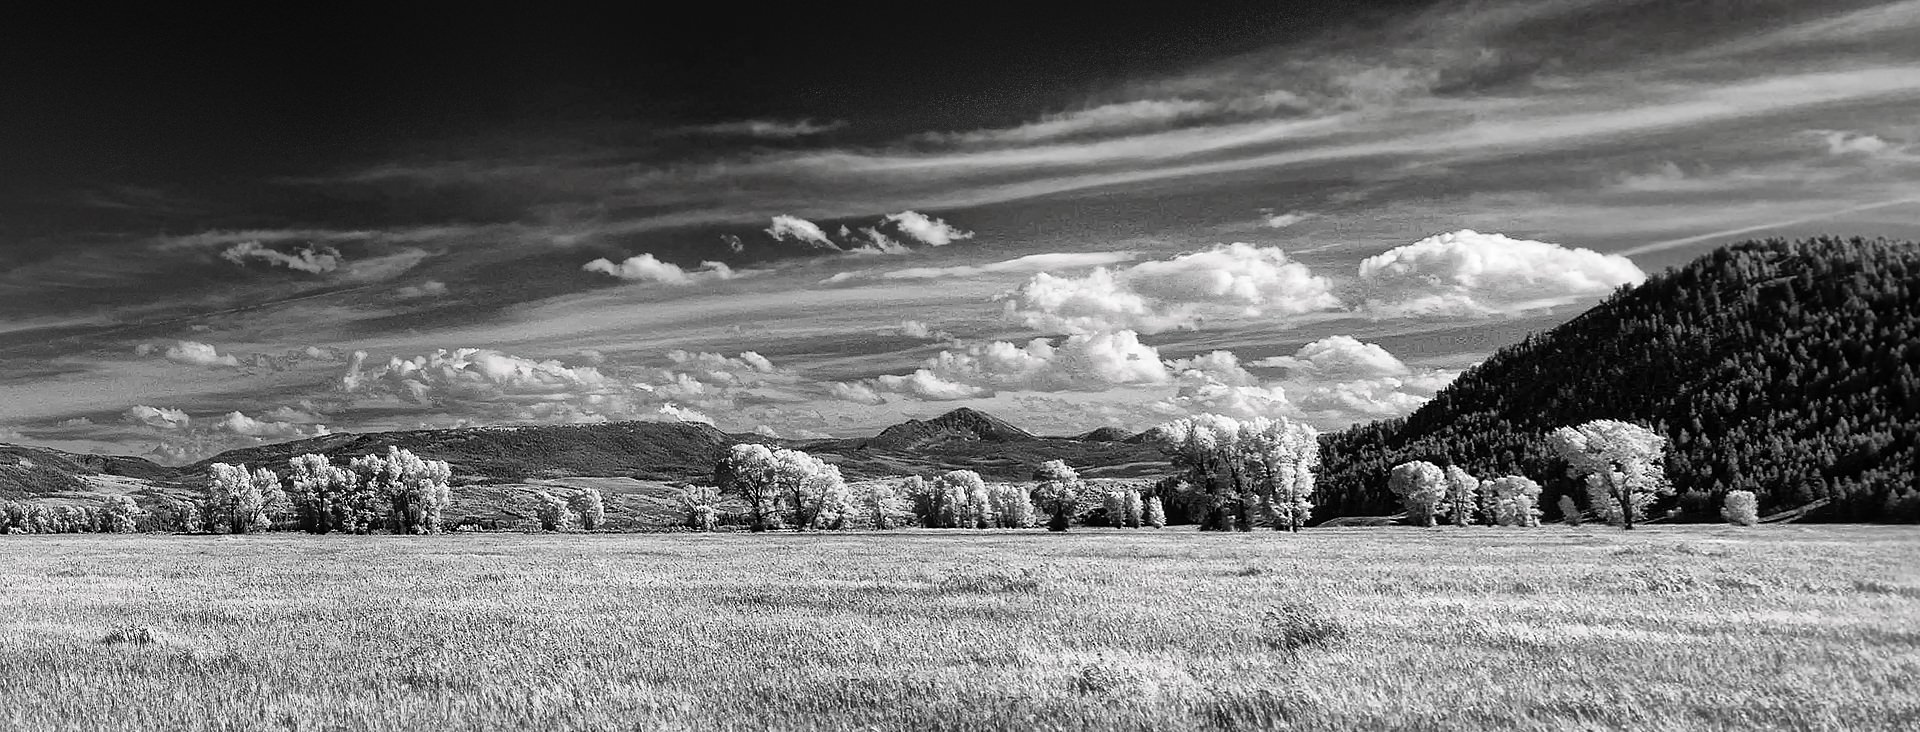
x=1667, y=628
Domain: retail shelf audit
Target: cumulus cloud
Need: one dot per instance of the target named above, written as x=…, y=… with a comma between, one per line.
x=241, y=424
x=430, y=288
x=192, y=353
x=794, y=228
x=919, y=329
x=1232, y=279
x=1085, y=362
x=769, y=129
x=646, y=268
x=1467, y=273
x=1843, y=143
x=1340, y=357
x=927, y=229
x=306, y=259
x=161, y=418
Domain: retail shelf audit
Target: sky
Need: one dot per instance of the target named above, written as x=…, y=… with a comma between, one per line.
x=219, y=229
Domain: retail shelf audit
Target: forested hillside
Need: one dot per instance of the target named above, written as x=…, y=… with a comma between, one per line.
x=1787, y=368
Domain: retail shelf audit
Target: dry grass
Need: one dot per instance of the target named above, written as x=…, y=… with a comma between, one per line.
x=1696, y=628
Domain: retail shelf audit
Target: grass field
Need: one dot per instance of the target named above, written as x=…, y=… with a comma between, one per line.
x=1691, y=627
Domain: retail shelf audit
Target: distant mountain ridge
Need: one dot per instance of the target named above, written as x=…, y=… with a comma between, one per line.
x=654, y=451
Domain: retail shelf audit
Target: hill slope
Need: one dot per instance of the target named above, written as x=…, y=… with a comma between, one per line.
x=1791, y=369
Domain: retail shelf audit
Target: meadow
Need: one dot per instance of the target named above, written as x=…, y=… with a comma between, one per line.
x=1661, y=628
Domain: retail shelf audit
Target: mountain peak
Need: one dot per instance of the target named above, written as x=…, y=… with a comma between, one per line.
x=960, y=424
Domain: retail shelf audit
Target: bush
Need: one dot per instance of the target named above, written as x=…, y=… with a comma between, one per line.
x=697, y=510
x=1569, y=512
x=1740, y=508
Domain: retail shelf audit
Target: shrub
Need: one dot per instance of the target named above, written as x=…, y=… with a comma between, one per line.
x=1569, y=512
x=1740, y=508
x=697, y=510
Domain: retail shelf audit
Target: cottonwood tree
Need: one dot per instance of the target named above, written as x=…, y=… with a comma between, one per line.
x=1514, y=500
x=590, y=507
x=415, y=490
x=327, y=498
x=697, y=509
x=119, y=515
x=1057, y=492
x=1461, y=498
x=784, y=486
x=1123, y=507
x=966, y=492
x=884, y=506
x=1740, y=508
x=1623, y=464
x=234, y=504
x=553, y=512
x=1239, y=466
x=1420, y=485
x=1153, y=514
x=1012, y=506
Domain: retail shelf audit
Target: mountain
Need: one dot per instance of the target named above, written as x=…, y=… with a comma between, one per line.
x=960, y=424
x=1787, y=368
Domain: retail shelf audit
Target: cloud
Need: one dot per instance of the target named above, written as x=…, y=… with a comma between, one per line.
x=1085, y=362
x=192, y=353
x=306, y=259
x=1467, y=273
x=801, y=230
x=1232, y=279
x=241, y=424
x=645, y=268
x=1028, y=263
x=474, y=382
x=430, y=288
x=733, y=243
x=1339, y=357
x=1282, y=220
x=769, y=129
x=926, y=229
x=161, y=418
x=1118, y=117
x=875, y=242
x=919, y=329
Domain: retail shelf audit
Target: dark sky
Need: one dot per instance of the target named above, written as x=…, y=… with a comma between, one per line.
x=160, y=95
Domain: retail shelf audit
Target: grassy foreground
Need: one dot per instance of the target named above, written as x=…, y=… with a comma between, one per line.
x=1703, y=628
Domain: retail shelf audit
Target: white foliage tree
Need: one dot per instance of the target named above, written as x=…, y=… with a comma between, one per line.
x=119, y=515
x=697, y=507
x=785, y=487
x=1420, y=485
x=1012, y=506
x=1240, y=466
x=1515, y=500
x=1461, y=498
x=1153, y=514
x=1623, y=464
x=233, y=502
x=553, y=512
x=966, y=492
x=1740, y=508
x=1057, y=492
x=884, y=506
x=591, y=507
x=415, y=491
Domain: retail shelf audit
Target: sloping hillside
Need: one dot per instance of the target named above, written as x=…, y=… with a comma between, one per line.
x=1788, y=368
